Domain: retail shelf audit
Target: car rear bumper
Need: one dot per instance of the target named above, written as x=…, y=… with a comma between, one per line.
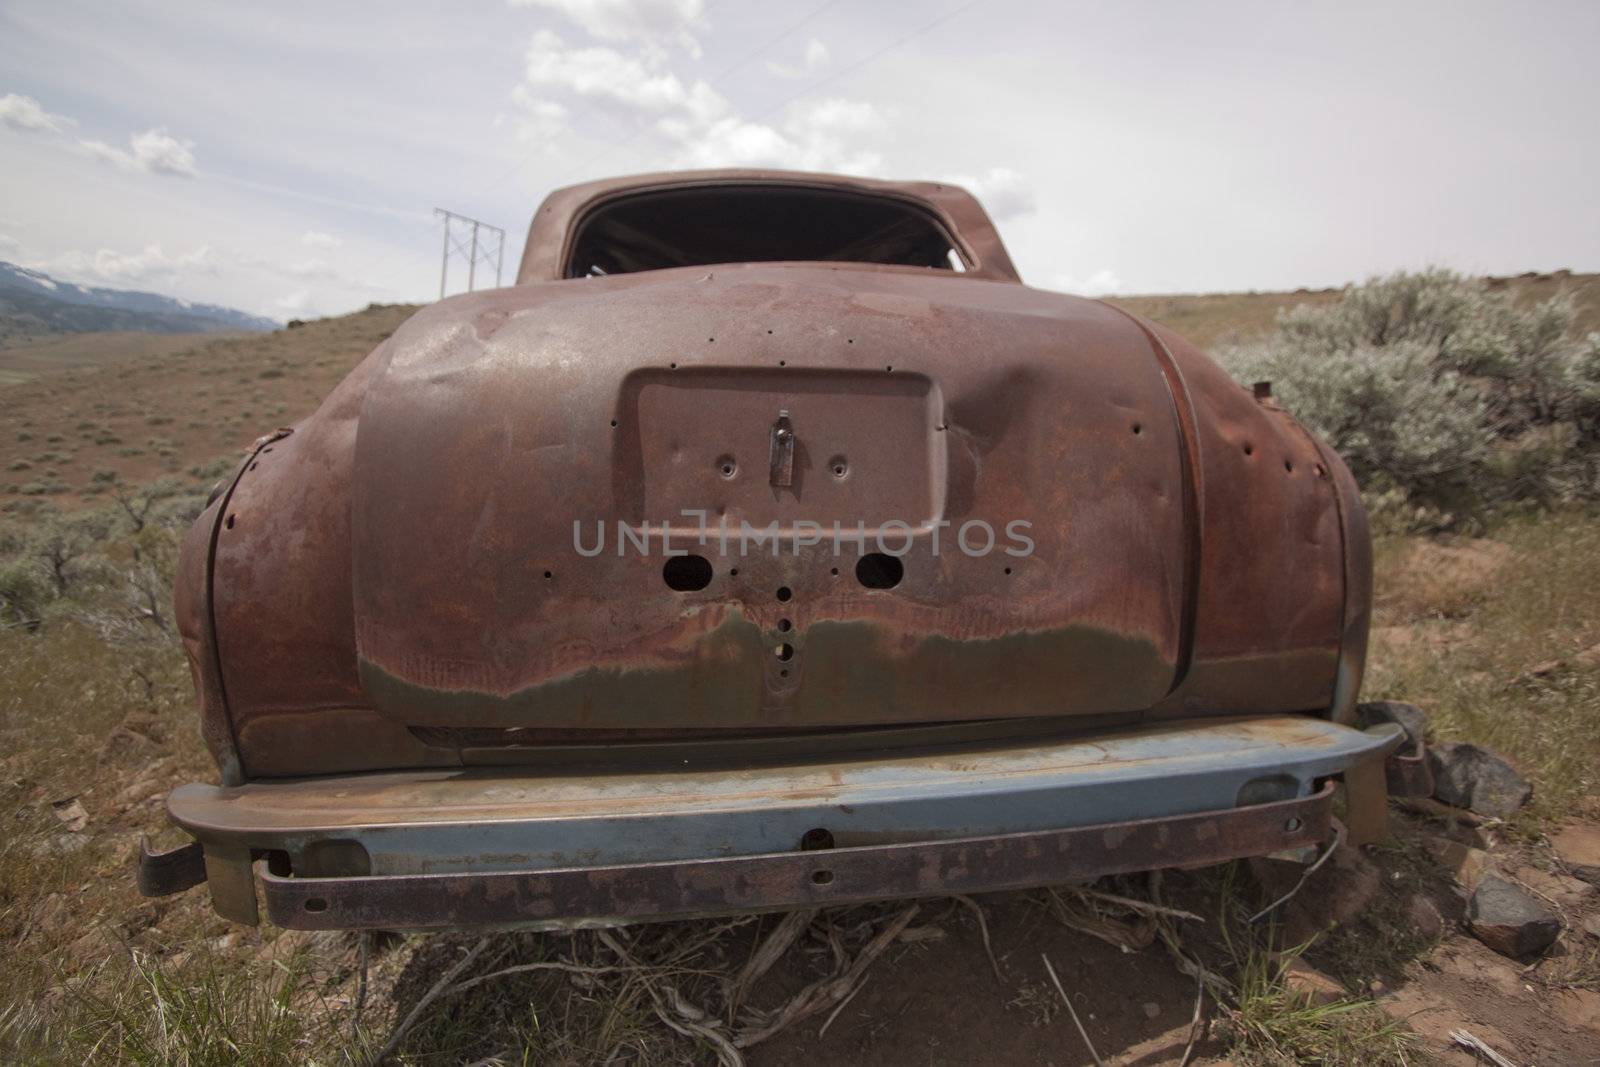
x=515, y=847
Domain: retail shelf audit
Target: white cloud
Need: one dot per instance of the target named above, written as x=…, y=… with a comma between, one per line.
x=539, y=119
x=318, y=239
x=1099, y=283
x=694, y=124
x=110, y=265
x=154, y=151
x=631, y=82
x=1005, y=194
x=814, y=59
x=652, y=22
x=26, y=113
x=9, y=244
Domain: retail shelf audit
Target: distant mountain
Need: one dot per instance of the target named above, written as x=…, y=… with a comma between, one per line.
x=35, y=305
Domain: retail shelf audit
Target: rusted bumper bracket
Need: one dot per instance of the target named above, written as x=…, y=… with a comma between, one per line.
x=794, y=879
x=164, y=873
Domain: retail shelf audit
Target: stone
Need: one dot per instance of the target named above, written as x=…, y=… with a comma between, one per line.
x=1470, y=777
x=1412, y=719
x=1311, y=984
x=1344, y=888
x=1591, y=926
x=1578, y=845
x=1468, y=864
x=1565, y=892
x=1151, y=1009
x=1509, y=920
x=1424, y=918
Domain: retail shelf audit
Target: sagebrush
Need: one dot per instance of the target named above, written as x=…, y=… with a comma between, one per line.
x=1444, y=394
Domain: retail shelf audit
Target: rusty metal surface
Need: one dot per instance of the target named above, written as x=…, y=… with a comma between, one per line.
x=400, y=571
x=794, y=879
x=161, y=874
x=1408, y=773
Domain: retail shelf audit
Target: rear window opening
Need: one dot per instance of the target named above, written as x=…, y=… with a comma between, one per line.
x=757, y=224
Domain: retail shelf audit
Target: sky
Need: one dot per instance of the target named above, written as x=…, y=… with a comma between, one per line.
x=285, y=158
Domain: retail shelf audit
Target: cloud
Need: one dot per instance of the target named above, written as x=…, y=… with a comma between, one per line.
x=814, y=59
x=1005, y=194
x=9, y=244
x=318, y=239
x=26, y=113
x=637, y=83
x=652, y=22
x=154, y=152
x=693, y=124
x=149, y=263
x=540, y=119
x=1099, y=283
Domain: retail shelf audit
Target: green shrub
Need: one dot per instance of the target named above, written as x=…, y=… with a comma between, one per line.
x=1442, y=394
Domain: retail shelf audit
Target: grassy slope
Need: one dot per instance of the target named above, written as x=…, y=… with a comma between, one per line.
x=1468, y=629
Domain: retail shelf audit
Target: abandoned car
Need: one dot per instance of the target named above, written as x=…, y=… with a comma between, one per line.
x=769, y=543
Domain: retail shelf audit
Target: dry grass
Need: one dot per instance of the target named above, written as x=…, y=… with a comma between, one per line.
x=1490, y=639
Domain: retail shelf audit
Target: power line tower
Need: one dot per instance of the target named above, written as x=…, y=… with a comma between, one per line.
x=471, y=247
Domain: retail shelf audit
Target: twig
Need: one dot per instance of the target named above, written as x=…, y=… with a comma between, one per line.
x=1478, y=1048
x=1338, y=840
x=771, y=948
x=1194, y=1023
x=983, y=931
x=363, y=947
x=1144, y=907
x=829, y=991
x=433, y=994
x=1072, y=1012
x=834, y=1014
x=553, y=965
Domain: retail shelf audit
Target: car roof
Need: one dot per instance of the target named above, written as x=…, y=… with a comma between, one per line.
x=555, y=223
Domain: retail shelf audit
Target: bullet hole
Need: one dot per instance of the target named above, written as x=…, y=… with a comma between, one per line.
x=229, y=522
x=549, y=575
x=784, y=652
x=784, y=625
x=784, y=593
x=1138, y=429
x=1288, y=466
x=686, y=574
x=1249, y=449
x=879, y=570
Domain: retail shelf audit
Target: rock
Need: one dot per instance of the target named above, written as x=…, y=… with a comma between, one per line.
x=1591, y=926
x=1311, y=984
x=1412, y=719
x=125, y=747
x=1151, y=1009
x=1508, y=920
x=1344, y=888
x=1470, y=777
x=49, y=915
x=1424, y=918
x=70, y=811
x=1578, y=845
x=1468, y=864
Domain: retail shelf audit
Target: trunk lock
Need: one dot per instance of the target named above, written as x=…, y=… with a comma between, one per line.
x=782, y=451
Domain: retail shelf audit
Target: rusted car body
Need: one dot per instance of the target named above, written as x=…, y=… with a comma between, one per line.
x=768, y=543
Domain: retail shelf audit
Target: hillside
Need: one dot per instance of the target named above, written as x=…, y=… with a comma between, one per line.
x=165, y=412
x=35, y=306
